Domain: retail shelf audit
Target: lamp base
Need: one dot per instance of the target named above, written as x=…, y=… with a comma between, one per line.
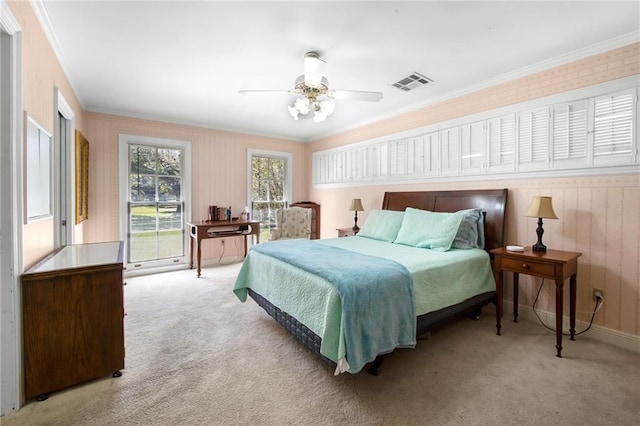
x=355, y=223
x=539, y=246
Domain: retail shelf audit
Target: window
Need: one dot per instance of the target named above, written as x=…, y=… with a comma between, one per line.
x=533, y=139
x=501, y=139
x=472, y=144
x=154, y=185
x=449, y=150
x=570, y=133
x=587, y=131
x=613, y=127
x=269, y=187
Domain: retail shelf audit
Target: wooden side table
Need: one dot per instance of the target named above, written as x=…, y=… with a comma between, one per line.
x=346, y=232
x=557, y=265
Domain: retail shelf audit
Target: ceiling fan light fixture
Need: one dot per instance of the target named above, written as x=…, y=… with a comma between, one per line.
x=313, y=69
x=319, y=117
x=312, y=93
x=294, y=112
x=302, y=108
x=327, y=106
x=302, y=105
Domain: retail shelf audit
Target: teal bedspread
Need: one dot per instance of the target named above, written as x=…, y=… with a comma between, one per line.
x=377, y=308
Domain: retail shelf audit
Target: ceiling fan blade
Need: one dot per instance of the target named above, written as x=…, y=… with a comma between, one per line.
x=355, y=95
x=313, y=69
x=266, y=92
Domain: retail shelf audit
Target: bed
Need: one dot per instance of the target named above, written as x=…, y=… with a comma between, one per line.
x=352, y=300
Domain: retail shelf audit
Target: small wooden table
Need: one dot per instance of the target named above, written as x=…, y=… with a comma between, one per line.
x=346, y=232
x=553, y=264
x=219, y=229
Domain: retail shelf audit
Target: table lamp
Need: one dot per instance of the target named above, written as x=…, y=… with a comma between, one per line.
x=356, y=206
x=541, y=208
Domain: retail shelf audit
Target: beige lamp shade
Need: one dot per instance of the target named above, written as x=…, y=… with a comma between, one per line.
x=356, y=205
x=541, y=207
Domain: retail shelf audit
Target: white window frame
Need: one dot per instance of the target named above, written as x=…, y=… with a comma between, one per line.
x=624, y=158
x=275, y=154
x=124, y=141
x=430, y=141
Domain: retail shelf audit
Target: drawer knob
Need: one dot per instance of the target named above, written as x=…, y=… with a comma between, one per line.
x=525, y=266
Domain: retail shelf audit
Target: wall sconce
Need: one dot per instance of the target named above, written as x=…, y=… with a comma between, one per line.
x=541, y=208
x=356, y=206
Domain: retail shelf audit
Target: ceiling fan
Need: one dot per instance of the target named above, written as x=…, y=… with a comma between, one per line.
x=313, y=94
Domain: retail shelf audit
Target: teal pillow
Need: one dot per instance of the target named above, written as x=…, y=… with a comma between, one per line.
x=471, y=231
x=382, y=225
x=426, y=229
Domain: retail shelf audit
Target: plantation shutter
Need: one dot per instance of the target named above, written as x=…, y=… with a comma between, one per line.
x=570, y=131
x=398, y=158
x=533, y=138
x=449, y=151
x=501, y=140
x=613, y=127
x=471, y=146
x=431, y=150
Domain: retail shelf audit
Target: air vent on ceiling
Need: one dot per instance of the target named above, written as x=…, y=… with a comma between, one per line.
x=413, y=81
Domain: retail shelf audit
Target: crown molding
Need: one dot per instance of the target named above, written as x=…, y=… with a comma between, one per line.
x=47, y=27
x=7, y=20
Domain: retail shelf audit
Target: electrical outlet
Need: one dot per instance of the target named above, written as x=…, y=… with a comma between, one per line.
x=596, y=291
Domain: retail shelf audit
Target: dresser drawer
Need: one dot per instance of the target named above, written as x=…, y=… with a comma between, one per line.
x=528, y=267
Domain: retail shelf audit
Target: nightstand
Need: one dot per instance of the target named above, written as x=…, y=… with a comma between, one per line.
x=346, y=232
x=556, y=265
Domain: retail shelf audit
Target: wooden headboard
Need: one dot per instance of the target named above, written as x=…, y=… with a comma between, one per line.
x=492, y=202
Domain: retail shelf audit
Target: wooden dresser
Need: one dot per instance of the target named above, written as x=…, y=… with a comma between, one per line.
x=315, y=216
x=73, y=325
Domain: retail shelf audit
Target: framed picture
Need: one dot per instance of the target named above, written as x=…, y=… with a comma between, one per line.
x=82, y=178
x=38, y=171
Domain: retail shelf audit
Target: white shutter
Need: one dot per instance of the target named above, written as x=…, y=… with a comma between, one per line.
x=411, y=155
x=376, y=161
x=570, y=133
x=331, y=167
x=398, y=158
x=533, y=139
x=370, y=163
x=418, y=157
x=353, y=165
x=322, y=168
x=613, y=140
x=471, y=146
x=501, y=135
x=449, y=149
x=431, y=153
x=383, y=159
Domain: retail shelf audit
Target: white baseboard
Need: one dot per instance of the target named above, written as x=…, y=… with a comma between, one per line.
x=606, y=335
x=178, y=266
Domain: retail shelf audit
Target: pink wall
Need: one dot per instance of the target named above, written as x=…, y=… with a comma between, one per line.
x=41, y=74
x=219, y=170
x=598, y=216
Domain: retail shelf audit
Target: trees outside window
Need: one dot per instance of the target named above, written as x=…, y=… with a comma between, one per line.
x=269, y=187
x=155, y=207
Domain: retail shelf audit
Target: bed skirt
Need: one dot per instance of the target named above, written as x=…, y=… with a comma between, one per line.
x=425, y=322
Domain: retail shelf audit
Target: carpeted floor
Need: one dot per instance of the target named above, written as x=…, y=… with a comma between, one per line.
x=195, y=355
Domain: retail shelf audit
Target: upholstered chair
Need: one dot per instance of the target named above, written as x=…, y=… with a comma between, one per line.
x=292, y=222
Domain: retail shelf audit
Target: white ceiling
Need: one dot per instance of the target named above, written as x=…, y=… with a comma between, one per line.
x=184, y=62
